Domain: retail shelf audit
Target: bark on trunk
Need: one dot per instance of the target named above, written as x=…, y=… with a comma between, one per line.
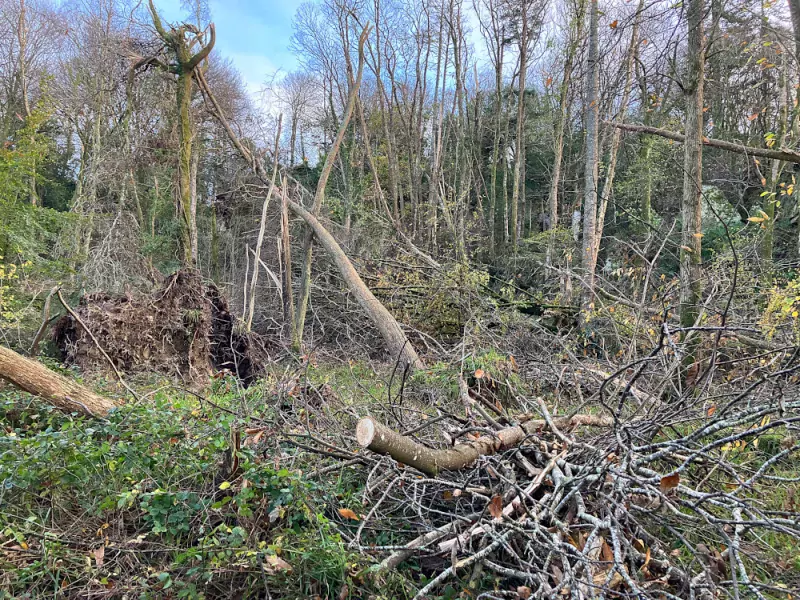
x=519, y=153
x=375, y=436
x=782, y=154
x=35, y=378
x=690, y=284
x=590, y=175
x=616, y=136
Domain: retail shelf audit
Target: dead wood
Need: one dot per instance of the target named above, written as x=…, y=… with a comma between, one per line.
x=377, y=437
x=63, y=393
x=781, y=154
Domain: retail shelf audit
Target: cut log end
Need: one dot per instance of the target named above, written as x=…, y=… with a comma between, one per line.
x=365, y=432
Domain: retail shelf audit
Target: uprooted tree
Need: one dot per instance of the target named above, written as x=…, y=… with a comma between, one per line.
x=62, y=392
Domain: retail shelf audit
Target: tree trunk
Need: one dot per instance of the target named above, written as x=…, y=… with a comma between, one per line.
x=616, y=136
x=193, y=206
x=251, y=307
x=64, y=394
x=286, y=270
x=319, y=196
x=590, y=174
x=184, y=100
x=519, y=158
x=378, y=438
x=690, y=257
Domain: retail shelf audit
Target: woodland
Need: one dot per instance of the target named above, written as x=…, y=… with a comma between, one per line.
x=492, y=299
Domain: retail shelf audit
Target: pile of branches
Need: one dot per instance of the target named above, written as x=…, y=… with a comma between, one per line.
x=183, y=329
x=651, y=494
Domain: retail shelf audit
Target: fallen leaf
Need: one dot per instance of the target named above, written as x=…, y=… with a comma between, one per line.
x=479, y=373
x=606, y=552
x=496, y=507
x=348, y=514
x=613, y=24
x=711, y=410
x=752, y=117
x=99, y=555
x=224, y=485
x=277, y=563
x=670, y=482
x=524, y=592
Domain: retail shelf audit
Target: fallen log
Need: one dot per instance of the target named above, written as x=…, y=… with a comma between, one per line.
x=783, y=154
x=34, y=378
x=375, y=436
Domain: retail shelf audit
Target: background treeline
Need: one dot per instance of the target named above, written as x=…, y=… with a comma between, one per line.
x=468, y=139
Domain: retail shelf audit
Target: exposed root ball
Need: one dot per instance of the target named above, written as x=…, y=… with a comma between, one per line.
x=184, y=329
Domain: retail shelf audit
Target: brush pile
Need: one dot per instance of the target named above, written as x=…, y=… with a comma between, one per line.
x=643, y=498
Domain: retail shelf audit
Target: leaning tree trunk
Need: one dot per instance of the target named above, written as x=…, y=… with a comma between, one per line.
x=63, y=393
x=396, y=341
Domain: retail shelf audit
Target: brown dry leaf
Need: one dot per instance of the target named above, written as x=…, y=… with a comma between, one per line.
x=524, y=592
x=613, y=24
x=348, y=514
x=479, y=373
x=752, y=117
x=513, y=361
x=496, y=507
x=278, y=564
x=669, y=482
x=606, y=552
x=711, y=410
x=447, y=495
x=99, y=556
x=549, y=82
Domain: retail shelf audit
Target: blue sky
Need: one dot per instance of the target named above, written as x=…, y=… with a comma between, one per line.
x=253, y=34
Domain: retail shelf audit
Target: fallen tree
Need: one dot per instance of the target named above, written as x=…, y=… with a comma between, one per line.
x=781, y=154
x=398, y=344
x=375, y=436
x=34, y=378
x=185, y=328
